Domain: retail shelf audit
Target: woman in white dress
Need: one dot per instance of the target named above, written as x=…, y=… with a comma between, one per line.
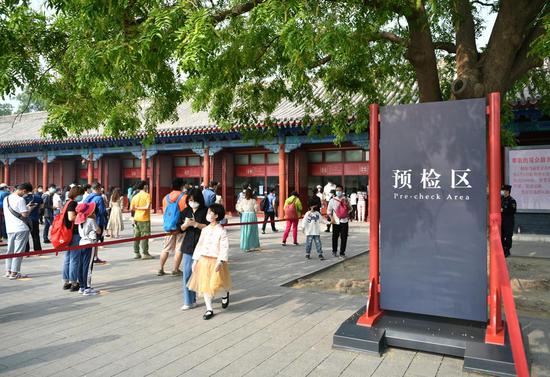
x=115, y=225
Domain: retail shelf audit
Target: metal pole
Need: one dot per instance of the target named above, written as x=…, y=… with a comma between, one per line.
x=373, y=311
x=495, y=330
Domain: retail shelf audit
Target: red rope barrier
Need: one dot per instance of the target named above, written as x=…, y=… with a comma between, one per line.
x=107, y=243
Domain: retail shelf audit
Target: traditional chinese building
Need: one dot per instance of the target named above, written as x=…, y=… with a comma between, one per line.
x=198, y=151
x=193, y=149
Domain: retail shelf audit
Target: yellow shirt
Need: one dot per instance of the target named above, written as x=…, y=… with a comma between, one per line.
x=142, y=199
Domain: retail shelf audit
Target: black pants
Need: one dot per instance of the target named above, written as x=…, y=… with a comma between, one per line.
x=47, y=223
x=339, y=231
x=269, y=215
x=507, y=231
x=35, y=235
x=354, y=212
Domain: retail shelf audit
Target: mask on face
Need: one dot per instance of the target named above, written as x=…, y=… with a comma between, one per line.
x=338, y=193
x=52, y=191
x=78, y=198
x=210, y=217
x=194, y=205
x=39, y=191
x=502, y=192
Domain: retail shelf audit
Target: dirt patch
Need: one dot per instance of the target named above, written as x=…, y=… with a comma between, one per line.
x=530, y=282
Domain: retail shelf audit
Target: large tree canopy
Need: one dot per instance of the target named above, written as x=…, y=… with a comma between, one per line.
x=114, y=63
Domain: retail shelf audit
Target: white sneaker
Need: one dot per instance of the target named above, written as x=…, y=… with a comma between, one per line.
x=187, y=307
x=81, y=291
x=90, y=292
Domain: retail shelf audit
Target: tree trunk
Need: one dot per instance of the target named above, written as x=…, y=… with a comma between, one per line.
x=421, y=54
x=514, y=23
x=468, y=82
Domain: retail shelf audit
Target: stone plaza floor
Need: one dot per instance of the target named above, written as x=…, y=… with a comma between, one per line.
x=136, y=328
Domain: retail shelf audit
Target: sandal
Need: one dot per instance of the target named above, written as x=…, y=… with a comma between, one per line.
x=225, y=301
x=209, y=314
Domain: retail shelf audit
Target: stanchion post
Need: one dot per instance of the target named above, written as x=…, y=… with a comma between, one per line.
x=495, y=330
x=373, y=311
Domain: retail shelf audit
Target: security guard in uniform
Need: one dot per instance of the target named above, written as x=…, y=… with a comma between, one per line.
x=508, y=209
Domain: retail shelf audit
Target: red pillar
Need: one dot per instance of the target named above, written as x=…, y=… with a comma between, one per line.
x=7, y=172
x=143, y=165
x=373, y=311
x=90, y=168
x=157, y=183
x=224, y=180
x=100, y=169
x=495, y=330
x=1, y=174
x=105, y=173
x=206, y=168
x=45, y=173
x=35, y=174
x=282, y=180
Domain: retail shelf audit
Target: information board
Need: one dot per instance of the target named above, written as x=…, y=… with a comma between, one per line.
x=433, y=209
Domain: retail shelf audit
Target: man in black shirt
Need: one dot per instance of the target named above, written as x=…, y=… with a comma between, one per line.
x=508, y=209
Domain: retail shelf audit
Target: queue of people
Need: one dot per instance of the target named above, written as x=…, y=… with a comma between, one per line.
x=193, y=218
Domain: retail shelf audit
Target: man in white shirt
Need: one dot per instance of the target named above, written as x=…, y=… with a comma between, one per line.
x=16, y=213
x=57, y=203
x=338, y=210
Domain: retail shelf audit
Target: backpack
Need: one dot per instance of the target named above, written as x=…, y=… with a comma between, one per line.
x=171, y=214
x=341, y=210
x=264, y=204
x=60, y=234
x=48, y=205
x=290, y=211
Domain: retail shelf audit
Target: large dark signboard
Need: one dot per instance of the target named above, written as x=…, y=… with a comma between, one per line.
x=433, y=209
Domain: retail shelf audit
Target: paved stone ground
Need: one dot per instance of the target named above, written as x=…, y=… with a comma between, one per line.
x=135, y=327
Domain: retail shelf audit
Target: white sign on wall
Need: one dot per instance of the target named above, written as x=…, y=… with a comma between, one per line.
x=528, y=171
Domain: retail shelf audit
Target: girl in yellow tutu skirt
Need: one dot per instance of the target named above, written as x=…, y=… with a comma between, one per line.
x=210, y=271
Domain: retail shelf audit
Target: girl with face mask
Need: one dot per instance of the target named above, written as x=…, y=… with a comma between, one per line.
x=192, y=221
x=210, y=270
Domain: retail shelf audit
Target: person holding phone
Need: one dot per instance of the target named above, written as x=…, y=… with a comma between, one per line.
x=34, y=201
x=192, y=221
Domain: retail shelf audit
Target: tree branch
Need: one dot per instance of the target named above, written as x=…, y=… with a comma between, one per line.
x=525, y=61
x=322, y=61
x=512, y=27
x=237, y=10
x=392, y=37
x=450, y=47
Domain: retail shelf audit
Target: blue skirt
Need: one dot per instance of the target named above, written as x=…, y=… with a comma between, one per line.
x=250, y=237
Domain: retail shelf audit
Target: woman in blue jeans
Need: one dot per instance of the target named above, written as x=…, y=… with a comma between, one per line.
x=71, y=259
x=192, y=221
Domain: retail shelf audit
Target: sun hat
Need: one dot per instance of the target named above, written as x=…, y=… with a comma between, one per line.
x=3, y=186
x=83, y=210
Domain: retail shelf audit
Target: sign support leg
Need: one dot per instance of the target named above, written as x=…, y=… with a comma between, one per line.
x=373, y=311
x=495, y=329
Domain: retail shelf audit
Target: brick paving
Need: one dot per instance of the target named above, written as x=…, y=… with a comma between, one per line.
x=135, y=327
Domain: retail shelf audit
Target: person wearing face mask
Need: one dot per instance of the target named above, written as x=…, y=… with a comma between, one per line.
x=192, y=221
x=72, y=258
x=210, y=268
x=40, y=191
x=338, y=210
x=141, y=205
x=327, y=201
x=36, y=200
x=48, y=212
x=508, y=210
x=250, y=239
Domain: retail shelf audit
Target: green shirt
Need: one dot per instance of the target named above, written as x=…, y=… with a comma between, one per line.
x=297, y=204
